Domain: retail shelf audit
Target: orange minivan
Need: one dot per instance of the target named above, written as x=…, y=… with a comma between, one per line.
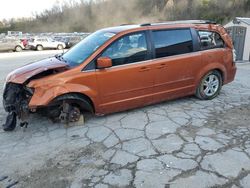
x=123, y=67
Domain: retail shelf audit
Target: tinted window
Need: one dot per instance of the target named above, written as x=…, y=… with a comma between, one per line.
x=230, y=31
x=172, y=42
x=128, y=49
x=210, y=40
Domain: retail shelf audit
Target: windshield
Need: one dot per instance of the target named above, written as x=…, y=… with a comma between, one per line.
x=80, y=52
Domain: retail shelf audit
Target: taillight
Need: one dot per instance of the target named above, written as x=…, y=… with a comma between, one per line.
x=234, y=55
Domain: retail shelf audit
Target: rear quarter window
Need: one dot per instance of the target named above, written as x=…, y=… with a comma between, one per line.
x=210, y=40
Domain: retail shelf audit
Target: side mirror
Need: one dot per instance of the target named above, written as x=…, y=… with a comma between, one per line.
x=104, y=62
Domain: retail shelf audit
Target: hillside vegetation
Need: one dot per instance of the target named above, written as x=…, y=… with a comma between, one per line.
x=88, y=16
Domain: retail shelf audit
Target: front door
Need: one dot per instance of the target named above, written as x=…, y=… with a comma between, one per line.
x=48, y=43
x=129, y=82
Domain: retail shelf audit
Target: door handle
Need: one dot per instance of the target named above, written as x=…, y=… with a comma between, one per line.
x=143, y=69
x=161, y=66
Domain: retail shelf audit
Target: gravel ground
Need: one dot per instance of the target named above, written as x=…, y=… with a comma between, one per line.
x=182, y=143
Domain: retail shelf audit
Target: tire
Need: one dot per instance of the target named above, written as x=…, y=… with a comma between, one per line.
x=60, y=47
x=209, y=86
x=39, y=48
x=18, y=49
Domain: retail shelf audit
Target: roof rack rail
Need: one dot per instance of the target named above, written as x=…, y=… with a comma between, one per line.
x=145, y=24
x=126, y=24
x=181, y=22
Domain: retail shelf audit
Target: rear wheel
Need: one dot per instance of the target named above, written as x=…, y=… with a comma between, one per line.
x=39, y=48
x=210, y=86
x=18, y=49
x=59, y=47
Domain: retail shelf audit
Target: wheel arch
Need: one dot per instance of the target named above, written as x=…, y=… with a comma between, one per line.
x=84, y=101
x=59, y=45
x=221, y=73
x=45, y=94
x=217, y=67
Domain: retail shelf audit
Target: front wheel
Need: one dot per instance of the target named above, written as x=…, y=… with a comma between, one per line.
x=18, y=49
x=65, y=113
x=60, y=47
x=210, y=86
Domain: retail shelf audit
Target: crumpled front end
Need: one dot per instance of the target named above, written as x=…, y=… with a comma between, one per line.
x=17, y=94
x=16, y=98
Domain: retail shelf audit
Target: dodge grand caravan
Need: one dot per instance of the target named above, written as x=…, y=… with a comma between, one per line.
x=123, y=67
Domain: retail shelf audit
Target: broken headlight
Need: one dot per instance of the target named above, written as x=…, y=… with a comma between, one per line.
x=29, y=91
x=234, y=55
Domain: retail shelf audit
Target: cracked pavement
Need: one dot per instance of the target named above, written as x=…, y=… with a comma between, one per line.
x=181, y=143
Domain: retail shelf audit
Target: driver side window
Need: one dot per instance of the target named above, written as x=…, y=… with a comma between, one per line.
x=128, y=49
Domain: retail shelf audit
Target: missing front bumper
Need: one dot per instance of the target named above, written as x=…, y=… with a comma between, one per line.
x=16, y=98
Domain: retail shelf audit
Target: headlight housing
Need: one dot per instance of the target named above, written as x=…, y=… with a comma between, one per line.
x=29, y=90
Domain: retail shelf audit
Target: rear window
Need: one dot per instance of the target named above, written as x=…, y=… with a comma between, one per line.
x=172, y=42
x=210, y=40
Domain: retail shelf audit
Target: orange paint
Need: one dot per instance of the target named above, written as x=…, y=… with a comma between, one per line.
x=132, y=85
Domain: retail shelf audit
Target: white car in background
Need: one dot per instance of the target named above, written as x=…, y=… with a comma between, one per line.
x=45, y=43
x=11, y=45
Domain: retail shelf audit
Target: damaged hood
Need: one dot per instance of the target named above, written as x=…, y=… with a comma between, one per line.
x=24, y=73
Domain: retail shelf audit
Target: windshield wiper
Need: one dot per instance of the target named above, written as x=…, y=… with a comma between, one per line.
x=60, y=57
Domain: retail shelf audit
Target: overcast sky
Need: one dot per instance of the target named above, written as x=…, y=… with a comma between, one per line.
x=23, y=8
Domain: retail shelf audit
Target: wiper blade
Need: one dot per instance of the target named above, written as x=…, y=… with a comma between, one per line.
x=60, y=57
x=63, y=59
x=57, y=56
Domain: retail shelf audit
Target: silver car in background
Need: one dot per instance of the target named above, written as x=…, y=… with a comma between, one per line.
x=45, y=43
x=11, y=45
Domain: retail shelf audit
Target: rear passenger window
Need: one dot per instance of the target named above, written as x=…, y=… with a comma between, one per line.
x=210, y=40
x=172, y=42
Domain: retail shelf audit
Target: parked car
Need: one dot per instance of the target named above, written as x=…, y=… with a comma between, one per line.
x=11, y=45
x=71, y=41
x=24, y=42
x=121, y=68
x=45, y=43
